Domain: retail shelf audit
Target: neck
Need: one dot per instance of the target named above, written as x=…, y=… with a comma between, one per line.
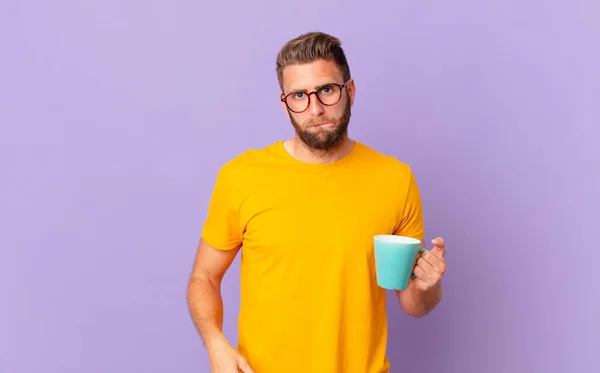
x=299, y=150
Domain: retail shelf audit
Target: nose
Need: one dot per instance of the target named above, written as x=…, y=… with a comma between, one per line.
x=315, y=107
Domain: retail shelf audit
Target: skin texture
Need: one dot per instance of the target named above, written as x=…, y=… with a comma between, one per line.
x=204, y=288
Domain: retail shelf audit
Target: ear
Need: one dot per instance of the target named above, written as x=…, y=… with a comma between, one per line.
x=284, y=106
x=351, y=91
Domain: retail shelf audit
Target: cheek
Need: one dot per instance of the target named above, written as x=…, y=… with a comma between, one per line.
x=334, y=112
x=299, y=119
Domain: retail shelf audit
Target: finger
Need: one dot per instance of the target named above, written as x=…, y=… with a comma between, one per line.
x=245, y=367
x=420, y=273
x=439, y=248
x=420, y=284
x=425, y=266
x=438, y=264
x=433, y=259
x=438, y=241
x=439, y=252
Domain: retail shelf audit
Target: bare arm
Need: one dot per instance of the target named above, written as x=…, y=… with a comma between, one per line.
x=206, y=308
x=204, y=292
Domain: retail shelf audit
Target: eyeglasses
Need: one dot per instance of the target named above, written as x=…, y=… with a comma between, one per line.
x=328, y=95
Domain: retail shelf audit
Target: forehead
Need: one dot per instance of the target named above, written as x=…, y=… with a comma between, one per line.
x=310, y=75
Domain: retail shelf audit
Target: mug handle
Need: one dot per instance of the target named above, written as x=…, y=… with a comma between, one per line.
x=420, y=251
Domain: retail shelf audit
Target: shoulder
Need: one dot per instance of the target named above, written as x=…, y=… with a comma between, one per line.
x=248, y=161
x=384, y=162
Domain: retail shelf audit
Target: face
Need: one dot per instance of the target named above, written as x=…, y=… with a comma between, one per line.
x=320, y=127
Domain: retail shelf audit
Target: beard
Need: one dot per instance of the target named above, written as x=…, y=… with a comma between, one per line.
x=327, y=139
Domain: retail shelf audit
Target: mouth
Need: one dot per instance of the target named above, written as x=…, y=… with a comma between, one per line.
x=323, y=125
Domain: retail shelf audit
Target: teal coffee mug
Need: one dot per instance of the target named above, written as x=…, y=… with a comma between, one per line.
x=395, y=258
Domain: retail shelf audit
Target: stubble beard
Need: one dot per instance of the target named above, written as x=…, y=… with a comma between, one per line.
x=327, y=139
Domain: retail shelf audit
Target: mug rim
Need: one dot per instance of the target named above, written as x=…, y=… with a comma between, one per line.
x=393, y=238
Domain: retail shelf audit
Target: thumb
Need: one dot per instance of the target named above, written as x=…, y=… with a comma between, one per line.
x=438, y=248
x=245, y=367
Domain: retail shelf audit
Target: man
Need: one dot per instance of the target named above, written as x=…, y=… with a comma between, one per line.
x=305, y=211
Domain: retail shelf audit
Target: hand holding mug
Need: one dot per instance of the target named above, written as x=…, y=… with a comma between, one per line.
x=430, y=266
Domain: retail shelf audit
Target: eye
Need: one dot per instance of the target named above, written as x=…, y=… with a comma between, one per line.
x=298, y=95
x=328, y=89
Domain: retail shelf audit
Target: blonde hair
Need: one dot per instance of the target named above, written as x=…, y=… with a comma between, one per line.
x=311, y=47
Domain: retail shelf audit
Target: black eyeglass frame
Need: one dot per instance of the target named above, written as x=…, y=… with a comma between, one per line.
x=308, y=94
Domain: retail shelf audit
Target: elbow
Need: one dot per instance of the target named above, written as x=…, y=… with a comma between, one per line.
x=195, y=286
x=417, y=314
x=419, y=309
x=423, y=310
x=415, y=311
x=200, y=284
x=191, y=291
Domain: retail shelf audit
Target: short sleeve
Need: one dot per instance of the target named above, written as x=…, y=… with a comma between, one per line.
x=222, y=225
x=411, y=222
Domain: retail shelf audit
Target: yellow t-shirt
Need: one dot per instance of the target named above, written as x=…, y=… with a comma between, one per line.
x=309, y=297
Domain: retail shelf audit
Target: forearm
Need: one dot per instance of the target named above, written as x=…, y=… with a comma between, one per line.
x=206, y=308
x=417, y=302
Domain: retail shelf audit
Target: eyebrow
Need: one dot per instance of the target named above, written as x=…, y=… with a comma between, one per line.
x=315, y=87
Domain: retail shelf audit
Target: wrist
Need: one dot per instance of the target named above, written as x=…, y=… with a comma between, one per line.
x=215, y=341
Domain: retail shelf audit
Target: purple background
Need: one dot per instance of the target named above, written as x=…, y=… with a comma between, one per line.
x=116, y=115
